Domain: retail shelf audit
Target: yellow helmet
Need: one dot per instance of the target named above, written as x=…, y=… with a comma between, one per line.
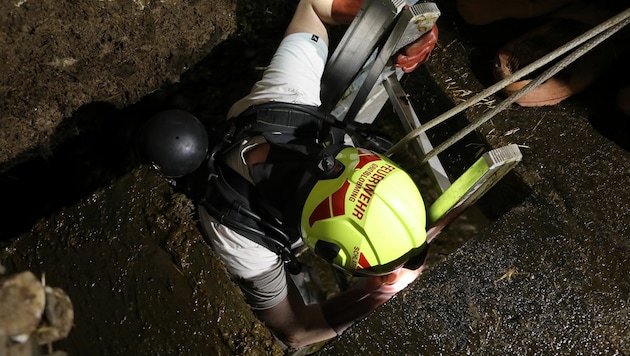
x=369, y=219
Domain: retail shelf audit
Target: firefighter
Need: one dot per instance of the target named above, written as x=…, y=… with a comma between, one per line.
x=279, y=174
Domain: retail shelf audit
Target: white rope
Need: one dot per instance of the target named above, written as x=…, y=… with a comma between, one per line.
x=596, y=35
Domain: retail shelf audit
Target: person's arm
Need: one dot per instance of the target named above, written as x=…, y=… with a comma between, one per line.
x=297, y=324
x=311, y=16
x=356, y=303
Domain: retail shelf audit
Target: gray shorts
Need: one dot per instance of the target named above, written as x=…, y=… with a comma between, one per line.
x=258, y=272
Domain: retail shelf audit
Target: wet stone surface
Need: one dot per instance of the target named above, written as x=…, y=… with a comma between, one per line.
x=139, y=275
x=62, y=62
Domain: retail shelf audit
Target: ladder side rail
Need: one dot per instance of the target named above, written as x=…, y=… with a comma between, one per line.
x=409, y=120
x=359, y=41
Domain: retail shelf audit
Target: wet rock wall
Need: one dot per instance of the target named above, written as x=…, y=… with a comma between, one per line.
x=139, y=275
x=61, y=56
x=75, y=79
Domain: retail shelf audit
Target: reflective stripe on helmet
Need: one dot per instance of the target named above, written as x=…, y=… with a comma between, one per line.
x=331, y=206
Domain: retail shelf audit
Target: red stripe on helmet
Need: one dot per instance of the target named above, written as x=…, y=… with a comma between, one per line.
x=339, y=199
x=366, y=157
x=332, y=206
x=322, y=211
x=363, y=262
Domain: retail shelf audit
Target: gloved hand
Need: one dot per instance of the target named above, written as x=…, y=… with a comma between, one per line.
x=417, y=52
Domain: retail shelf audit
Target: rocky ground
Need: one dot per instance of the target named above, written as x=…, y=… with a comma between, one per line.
x=77, y=80
x=61, y=60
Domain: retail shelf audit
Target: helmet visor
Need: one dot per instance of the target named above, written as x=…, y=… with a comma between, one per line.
x=411, y=260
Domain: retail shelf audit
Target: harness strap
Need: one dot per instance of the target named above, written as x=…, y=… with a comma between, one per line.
x=283, y=122
x=232, y=209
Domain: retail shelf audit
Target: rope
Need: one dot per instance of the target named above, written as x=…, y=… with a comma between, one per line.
x=594, y=36
x=507, y=102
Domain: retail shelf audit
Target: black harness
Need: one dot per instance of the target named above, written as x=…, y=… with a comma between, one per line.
x=303, y=145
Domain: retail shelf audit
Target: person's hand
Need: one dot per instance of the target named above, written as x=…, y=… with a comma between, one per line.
x=398, y=280
x=417, y=52
x=385, y=287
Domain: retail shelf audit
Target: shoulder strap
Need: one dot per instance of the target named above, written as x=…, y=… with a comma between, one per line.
x=284, y=122
x=231, y=207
